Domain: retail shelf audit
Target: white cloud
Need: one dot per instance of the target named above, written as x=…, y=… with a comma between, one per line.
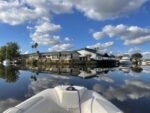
x=43, y=34
x=60, y=47
x=101, y=45
x=98, y=35
x=26, y=52
x=146, y=55
x=15, y=12
x=45, y=39
x=134, y=50
x=47, y=27
x=107, y=9
x=60, y=6
x=107, y=44
x=129, y=34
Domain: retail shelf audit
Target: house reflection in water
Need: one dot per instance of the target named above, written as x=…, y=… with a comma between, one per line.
x=82, y=56
x=11, y=74
x=80, y=71
x=125, y=69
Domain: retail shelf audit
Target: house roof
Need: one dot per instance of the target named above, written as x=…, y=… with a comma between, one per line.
x=61, y=52
x=52, y=53
x=90, y=50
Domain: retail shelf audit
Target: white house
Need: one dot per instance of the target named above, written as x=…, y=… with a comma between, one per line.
x=88, y=54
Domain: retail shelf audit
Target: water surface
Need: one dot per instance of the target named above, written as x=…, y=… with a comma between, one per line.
x=127, y=88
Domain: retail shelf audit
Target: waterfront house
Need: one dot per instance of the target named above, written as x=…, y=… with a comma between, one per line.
x=69, y=56
x=87, y=54
x=82, y=56
x=148, y=62
x=92, y=54
x=53, y=57
x=145, y=62
x=28, y=57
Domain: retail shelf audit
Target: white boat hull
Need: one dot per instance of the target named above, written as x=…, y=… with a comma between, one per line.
x=6, y=62
x=60, y=100
x=125, y=62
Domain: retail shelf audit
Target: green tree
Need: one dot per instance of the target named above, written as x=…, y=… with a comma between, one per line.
x=2, y=53
x=12, y=49
x=137, y=69
x=136, y=58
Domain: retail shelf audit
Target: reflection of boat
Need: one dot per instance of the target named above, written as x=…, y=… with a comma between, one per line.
x=6, y=62
x=124, y=69
x=125, y=60
x=87, y=74
x=65, y=99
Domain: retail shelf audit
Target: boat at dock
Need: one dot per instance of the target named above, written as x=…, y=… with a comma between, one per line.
x=125, y=60
x=6, y=62
x=65, y=99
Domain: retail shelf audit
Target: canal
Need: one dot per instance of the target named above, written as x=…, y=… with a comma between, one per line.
x=127, y=88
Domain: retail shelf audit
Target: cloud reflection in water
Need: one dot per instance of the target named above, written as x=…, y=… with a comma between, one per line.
x=131, y=89
x=5, y=104
x=45, y=82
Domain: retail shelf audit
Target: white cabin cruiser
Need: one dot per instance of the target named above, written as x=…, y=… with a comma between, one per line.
x=65, y=99
x=125, y=60
x=87, y=74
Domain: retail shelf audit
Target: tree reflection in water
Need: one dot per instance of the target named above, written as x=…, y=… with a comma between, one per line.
x=10, y=74
x=34, y=76
x=137, y=69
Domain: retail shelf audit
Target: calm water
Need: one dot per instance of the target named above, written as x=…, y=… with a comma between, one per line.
x=127, y=88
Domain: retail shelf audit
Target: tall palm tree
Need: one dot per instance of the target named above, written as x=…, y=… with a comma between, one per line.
x=35, y=45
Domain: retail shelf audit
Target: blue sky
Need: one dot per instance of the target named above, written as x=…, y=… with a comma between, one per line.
x=122, y=26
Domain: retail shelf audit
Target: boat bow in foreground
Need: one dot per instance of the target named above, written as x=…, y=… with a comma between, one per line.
x=65, y=99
